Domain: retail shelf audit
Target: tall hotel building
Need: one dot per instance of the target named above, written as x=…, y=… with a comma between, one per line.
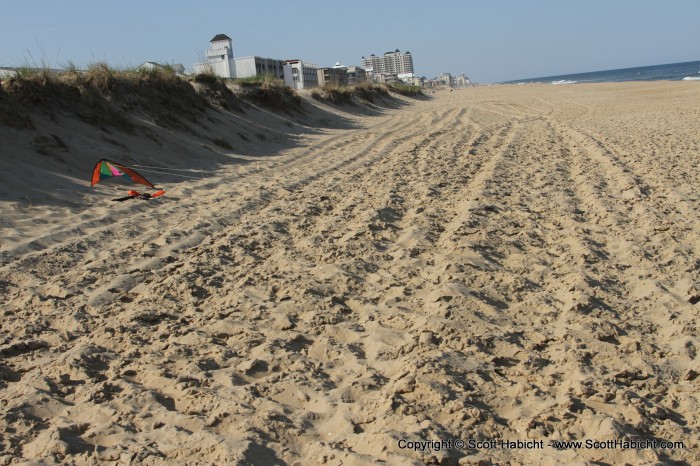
x=391, y=63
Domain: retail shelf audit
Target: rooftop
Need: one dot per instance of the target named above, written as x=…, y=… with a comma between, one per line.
x=220, y=37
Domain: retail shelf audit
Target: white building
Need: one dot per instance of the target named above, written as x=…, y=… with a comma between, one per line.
x=248, y=67
x=300, y=75
x=446, y=79
x=396, y=63
x=462, y=80
x=219, y=58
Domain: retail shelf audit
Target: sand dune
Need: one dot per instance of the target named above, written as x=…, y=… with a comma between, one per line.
x=513, y=262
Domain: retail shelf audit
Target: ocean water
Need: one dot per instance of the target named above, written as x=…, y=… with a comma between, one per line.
x=688, y=71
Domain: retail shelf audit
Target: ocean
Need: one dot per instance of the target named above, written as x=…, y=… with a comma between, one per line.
x=688, y=71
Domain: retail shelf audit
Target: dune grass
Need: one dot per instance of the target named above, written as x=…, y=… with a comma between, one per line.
x=269, y=92
x=107, y=96
x=340, y=95
x=406, y=89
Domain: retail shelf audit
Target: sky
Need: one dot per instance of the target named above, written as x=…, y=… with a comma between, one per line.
x=488, y=40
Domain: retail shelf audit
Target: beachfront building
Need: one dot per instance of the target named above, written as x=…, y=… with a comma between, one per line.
x=248, y=67
x=418, y=81
x=394, y=63
x=299, y=74
x=384, y=78
x=356, y=75
x=446, y=79
x=335, y=76
x=219, y=58
x=220, y=62
x=462, y=80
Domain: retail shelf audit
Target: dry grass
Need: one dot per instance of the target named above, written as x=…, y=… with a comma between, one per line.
x=340, y=95
x=406, y=90
x=270, y=93
x=110, y=97
x=369, y=92
x=337, y=94
x=217, y=92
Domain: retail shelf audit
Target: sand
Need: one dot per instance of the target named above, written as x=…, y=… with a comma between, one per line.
x=514, y=263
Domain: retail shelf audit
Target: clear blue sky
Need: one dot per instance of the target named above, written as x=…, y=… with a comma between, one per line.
x=489, y=40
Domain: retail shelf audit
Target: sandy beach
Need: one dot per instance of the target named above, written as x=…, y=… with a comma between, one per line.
x=409, y=281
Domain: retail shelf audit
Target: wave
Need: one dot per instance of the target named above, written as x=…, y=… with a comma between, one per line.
x=564, y=81
x=691, y=78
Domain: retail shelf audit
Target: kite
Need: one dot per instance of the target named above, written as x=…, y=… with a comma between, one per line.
x=108, y=169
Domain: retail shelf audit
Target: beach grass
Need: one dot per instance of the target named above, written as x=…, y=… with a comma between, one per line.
x=167, y=98
x=406, y=89
x=270, y=92
x=341, y=95
x=103, y=95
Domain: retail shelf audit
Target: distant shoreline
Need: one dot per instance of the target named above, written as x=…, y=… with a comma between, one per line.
x=664, y=72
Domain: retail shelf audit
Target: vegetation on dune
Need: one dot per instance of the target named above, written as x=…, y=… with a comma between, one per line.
x=108, y=97
x=335, y=94
x=264, y=80
x=368, y=91
x=406, y=89
x=364, y=92
x=269, y=92
x=206, y=78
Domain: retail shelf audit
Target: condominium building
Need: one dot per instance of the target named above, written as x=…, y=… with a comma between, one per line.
x=446, y=79
x=299, y=74
x=394, y=63
x=356, y=75
x=336, y=76
x=248, y=67
x=462, y=80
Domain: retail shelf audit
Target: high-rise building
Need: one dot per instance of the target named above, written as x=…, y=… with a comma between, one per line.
x=395, y=63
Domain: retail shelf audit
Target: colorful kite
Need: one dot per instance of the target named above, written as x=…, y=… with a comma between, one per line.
x=107, y=169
